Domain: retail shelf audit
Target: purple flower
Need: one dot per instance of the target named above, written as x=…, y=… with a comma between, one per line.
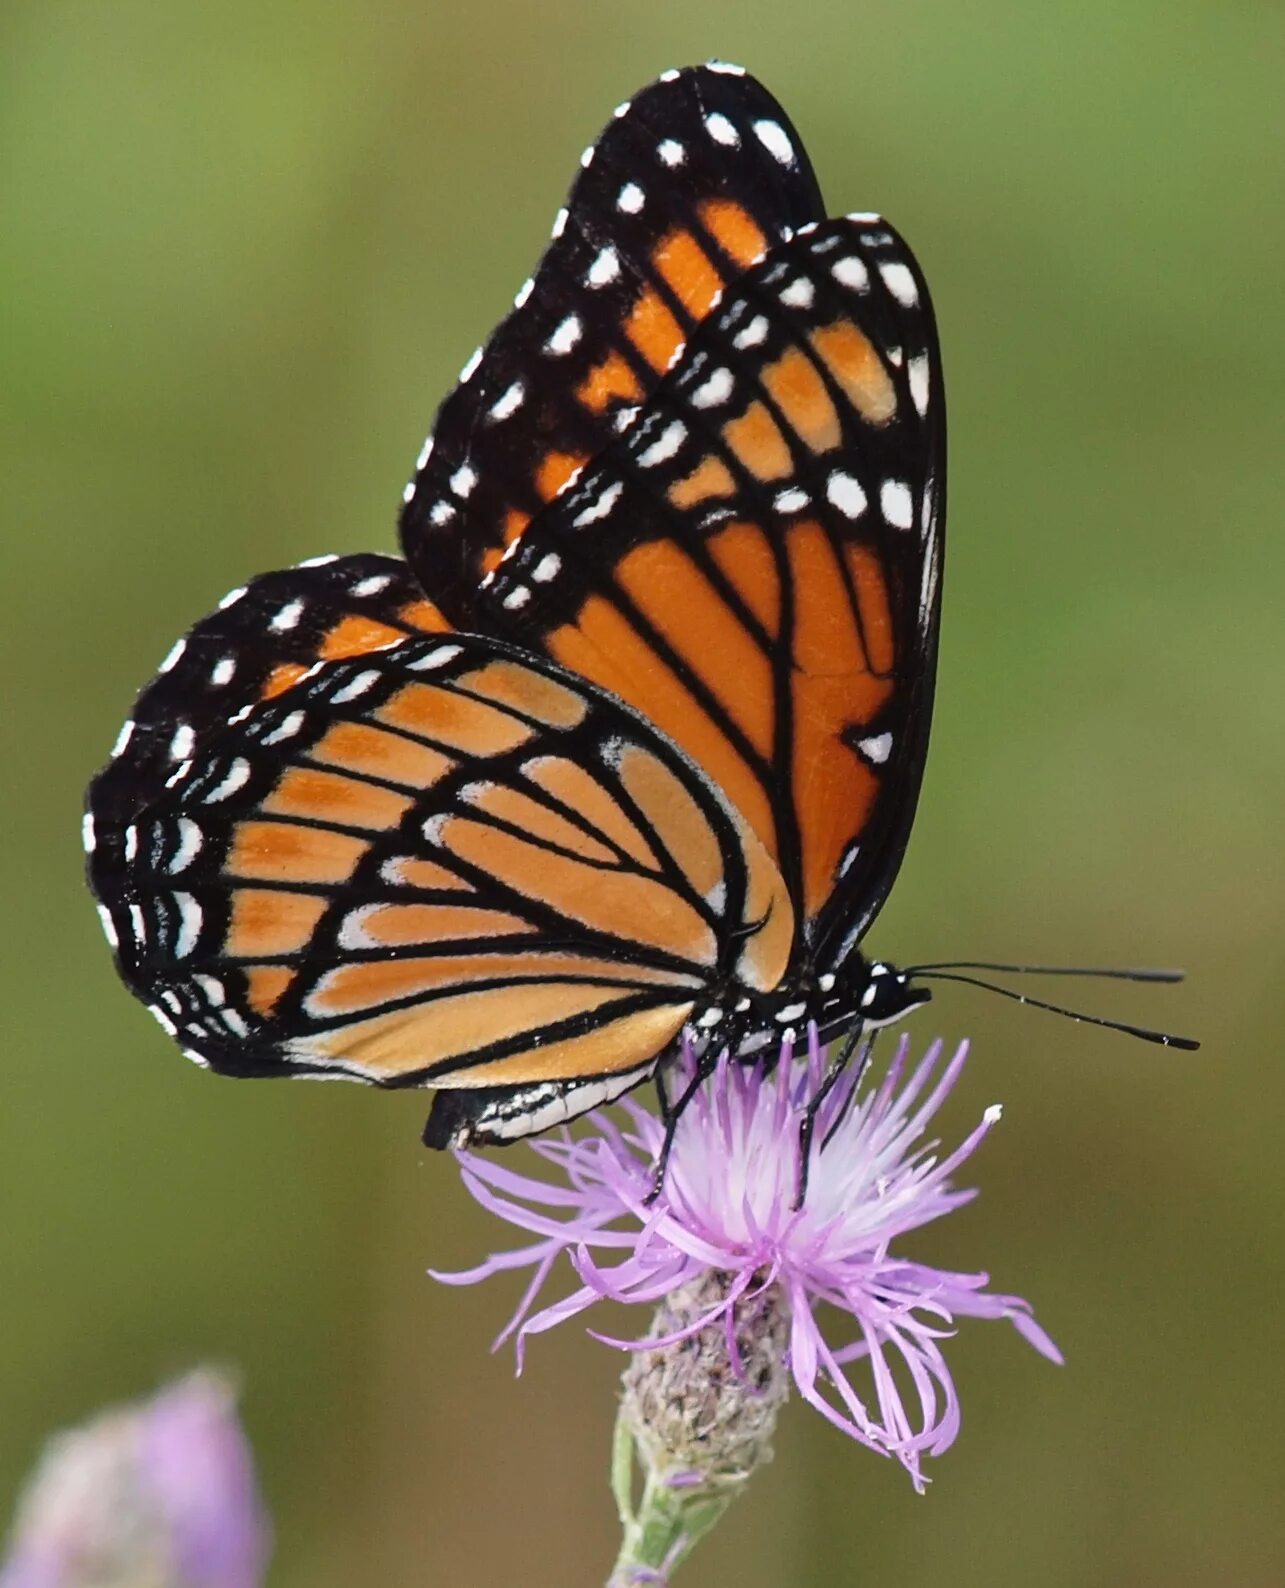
x=726, y=1209
x=160, y=1494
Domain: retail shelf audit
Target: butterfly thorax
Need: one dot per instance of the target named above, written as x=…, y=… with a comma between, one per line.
x=860, y=992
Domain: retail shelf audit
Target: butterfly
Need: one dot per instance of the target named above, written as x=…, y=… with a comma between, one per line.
x=625, y=750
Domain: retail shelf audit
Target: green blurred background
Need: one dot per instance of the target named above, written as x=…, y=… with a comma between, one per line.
x=244, y=251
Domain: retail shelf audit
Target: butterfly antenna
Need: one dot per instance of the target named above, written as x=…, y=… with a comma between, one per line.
x=1163, y=1038
x=1112, y=973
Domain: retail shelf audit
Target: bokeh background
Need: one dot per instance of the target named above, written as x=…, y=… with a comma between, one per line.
x=244, y=250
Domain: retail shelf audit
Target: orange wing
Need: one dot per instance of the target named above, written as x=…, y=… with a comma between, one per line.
x=444, y=863
x=754, y=563
x=686, y=186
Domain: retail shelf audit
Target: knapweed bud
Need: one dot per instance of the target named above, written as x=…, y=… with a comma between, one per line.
x=705, y=1403
x=156, y=1495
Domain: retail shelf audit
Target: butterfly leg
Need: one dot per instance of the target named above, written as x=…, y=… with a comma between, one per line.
x=807, y=1125
x=671, y=1113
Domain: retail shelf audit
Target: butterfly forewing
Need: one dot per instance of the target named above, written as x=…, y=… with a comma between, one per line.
x=686, y=187
x=753, y=563
x=441, y=861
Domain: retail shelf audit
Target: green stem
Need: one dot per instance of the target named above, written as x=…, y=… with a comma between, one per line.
x=669, y=1519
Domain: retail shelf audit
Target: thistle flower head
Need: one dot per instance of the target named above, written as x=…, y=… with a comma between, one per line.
x=876, y=1370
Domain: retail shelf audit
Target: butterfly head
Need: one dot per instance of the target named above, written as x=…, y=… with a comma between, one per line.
x=888, y=994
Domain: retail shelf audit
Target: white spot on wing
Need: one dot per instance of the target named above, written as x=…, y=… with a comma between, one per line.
x=671, y=152
x=435, y=659
x=189, y=846
x=463, y=480
x=175, y=652
x=665, y=446
x=715, y=390
x=565, y=336
x=547, y=568
x=287, y=727
x=630, y=198
x=212, y=987
x=238, y=775
x=372, y=586
x=182, y=742
x=721, y=130
x=524, y=292
x=122, y=738
x=361, y=685
x=900, y=281
x=560, y=223
x=599, y=509
x=846, y=494
x=222, y=671
x=287, y=617
x=877, y=748
x=605, y=268
x=232, y=597
x=896, y=504
x=109, y=926
x=509, y=401
x=851, y=272
x=772, y=136
x=189, y=924
x=790, y=501
x=516, y=598
x=799, y=294
x=470, y=369
x=917, y=371
x=87, y=836
x=754, y=333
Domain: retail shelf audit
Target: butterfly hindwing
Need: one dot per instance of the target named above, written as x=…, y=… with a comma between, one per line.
x=754, y=563
x=688, y=184
x=260, y=639
x=440, y=861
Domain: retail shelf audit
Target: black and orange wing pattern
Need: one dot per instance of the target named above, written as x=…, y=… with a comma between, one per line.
x=754, y=563
x=261, y=640
x=686, y=187
x=440, y=862
x=633, y=739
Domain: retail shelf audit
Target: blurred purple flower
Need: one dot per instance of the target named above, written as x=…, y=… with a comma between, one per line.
x=157, y=1495
x=727, y=1209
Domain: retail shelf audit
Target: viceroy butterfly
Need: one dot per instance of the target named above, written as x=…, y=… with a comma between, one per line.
x=628, y=747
